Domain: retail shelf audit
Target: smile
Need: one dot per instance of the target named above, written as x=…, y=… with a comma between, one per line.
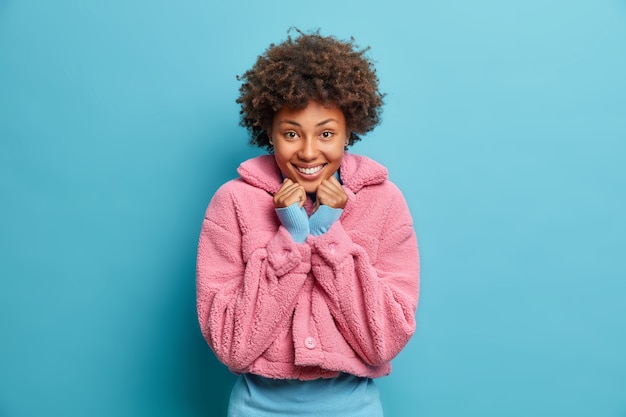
x=311, y=170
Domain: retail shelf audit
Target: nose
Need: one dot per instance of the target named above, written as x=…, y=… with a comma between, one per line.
x=308, y=150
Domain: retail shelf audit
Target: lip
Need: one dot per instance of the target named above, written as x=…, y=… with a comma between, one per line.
x=311, y=171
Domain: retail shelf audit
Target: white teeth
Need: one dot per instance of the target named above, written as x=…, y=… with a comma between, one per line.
x=310, y=171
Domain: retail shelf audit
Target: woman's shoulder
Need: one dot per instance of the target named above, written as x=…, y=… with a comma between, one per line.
x=369, y=177
x=261, y=172
x=359, y=171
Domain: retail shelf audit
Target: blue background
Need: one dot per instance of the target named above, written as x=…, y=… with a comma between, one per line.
x=504, y=125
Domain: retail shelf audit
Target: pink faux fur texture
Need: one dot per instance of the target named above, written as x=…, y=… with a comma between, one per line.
x=344, y=301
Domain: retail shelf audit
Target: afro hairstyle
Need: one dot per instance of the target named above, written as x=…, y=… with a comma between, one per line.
x=310, y=67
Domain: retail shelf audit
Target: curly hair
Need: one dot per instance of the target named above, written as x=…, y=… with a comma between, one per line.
x=307, y=68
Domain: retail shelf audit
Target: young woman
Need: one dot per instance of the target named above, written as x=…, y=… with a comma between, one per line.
x=307, y=268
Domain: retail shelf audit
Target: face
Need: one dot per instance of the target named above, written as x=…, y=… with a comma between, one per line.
x=309, y=143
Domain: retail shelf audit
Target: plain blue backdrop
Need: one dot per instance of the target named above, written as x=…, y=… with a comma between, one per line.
x=504, y=125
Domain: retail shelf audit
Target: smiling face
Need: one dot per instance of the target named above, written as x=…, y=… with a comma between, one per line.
x=309, y=143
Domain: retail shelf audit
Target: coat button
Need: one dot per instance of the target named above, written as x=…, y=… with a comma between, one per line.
x=309, y=342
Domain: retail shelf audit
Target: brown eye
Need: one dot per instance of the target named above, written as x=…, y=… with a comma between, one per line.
x=327, y=134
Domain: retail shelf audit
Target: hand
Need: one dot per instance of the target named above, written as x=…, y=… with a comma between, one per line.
x=289, y=193
x=330, y=193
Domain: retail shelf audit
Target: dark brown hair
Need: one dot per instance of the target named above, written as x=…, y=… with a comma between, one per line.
x=310, y=67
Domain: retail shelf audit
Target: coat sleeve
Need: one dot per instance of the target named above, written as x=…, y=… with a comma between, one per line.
x=245, y=292
x=373, y=301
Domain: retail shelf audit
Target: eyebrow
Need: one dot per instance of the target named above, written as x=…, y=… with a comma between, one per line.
x=322, y=123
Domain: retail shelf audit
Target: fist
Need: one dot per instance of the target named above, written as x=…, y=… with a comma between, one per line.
x=331, y=193
x=289, y=193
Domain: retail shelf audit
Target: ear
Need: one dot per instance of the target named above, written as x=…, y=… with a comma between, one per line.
x=269, y=136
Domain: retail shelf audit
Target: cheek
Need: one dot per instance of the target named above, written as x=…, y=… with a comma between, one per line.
x=282, y=160
x=337, y=153
x=281, y=154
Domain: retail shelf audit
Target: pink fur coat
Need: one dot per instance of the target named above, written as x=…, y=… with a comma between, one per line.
x=344, y=301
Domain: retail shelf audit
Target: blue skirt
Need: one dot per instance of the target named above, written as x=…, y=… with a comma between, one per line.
x=344, y=396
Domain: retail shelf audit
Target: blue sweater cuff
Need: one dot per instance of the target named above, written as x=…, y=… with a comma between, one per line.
x=295, y=220
x=323, y=218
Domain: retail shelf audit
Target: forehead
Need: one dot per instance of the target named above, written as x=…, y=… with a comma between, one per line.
x=313, y=114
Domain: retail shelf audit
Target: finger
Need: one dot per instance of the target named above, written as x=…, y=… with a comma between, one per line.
x=331, y=194
x=334, y=180
x=289, y=194
x=285, y=184
x=301, y=196
x=328, y=188
x=331, y=185
x=337, y=187
x=298, y=189
x=289, y=185
x=287, y=197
